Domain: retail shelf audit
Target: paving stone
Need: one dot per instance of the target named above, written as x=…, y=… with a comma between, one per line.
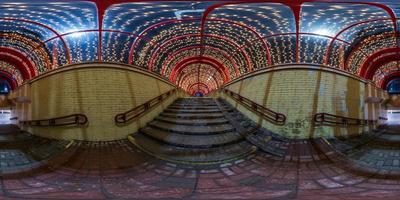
x=120, y=170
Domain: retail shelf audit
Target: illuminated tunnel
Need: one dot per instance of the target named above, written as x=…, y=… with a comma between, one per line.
x=255, y=99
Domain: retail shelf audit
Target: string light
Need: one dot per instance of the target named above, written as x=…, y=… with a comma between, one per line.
x=231, y=36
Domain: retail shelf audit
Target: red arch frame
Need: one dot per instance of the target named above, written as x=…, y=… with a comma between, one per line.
x=224, y=54
x=8, y=77
x=155, y=53
x=372, y=63
x=198, y=83
x=195, y=59
x=19, y=60
x=388, y=78
x=67, y=50
x=182, y=78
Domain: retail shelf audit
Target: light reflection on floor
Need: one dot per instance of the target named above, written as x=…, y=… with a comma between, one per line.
x=393, y=117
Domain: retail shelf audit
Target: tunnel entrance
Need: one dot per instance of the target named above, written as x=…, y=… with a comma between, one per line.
x=393, y=117
x=5, y=116
x=4, y=86
x=393, y=86
x=198, y=94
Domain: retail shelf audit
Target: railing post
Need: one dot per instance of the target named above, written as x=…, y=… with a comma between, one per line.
x=254, y=106
x=123, y=118
x=76, y=119
x=146, y=106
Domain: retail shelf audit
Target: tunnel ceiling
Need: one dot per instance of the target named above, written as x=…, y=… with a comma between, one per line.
x=200, y=45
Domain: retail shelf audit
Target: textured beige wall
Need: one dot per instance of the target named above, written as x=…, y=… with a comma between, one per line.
x=394, y=101
x=300, y=93
x=100, y=92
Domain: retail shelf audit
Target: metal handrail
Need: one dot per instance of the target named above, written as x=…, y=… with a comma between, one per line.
x=74, y=119
x=270, y=115
x=383, y=118
x=133, y=113
x=340, y=120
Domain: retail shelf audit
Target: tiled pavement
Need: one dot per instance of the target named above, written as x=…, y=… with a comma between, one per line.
x=307, y=169
x=21, y=152
x=118, y=170
x=379, y=151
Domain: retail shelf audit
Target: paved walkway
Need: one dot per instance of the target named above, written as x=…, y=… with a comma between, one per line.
x=365, y=167
x=21, y=152
x=379, y=151
x=118, y=170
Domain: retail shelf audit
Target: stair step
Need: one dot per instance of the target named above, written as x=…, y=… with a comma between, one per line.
x=205, y=112
x=193, y=155
x=192, y=141
x=193, y=122
x=192, y=130
x=186, y=107
x=194, y=105
x=193, y=115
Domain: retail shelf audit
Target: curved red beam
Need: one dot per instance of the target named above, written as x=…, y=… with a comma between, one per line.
x=178, y=71
x=225, y=55
x=371, y=64
x=300, y=34
x=191, y=63
x=328, y=50
x=18, y=60
x=67, y=50
x=154, y=54
x=184, y=77
x=378, y=63
x=9, y=78
x=359, y=45
x=14, y=61
x=104, y=30
x=198, y=83
x=389, y=78
x=258, y=35
x=294, y=6
x=17, y=64
x=195, y=59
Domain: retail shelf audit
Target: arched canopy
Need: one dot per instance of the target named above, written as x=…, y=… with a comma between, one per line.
x=229, y=38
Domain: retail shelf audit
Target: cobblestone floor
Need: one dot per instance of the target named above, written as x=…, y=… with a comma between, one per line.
x=21, y=151
x=379, y=152
x=118, y=170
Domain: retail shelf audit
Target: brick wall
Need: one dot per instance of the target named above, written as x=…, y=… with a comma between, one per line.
x=98, y=91
x=300, y=93
x=394, y=101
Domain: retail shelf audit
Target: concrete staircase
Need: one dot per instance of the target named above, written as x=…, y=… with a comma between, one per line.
x=192, y=130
